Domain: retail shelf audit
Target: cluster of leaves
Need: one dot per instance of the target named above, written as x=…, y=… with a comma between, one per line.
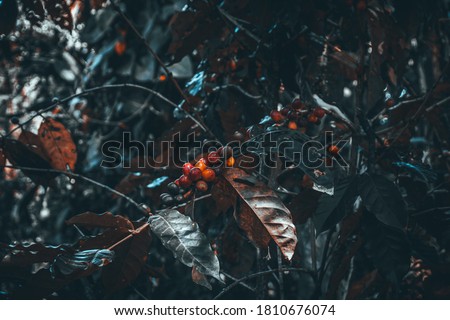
x=76, y=74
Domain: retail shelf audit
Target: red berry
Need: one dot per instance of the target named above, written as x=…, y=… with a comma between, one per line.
x=187, y=168
x=285, y=111
x=213, y=157
x=390, y=102
x=185, y=182
x=312, y=118
x=195, y=174
x=333, y=149
x=209, y=175
x=276, y=116
x=297, y=104
x=319, y=112
x=201, y=186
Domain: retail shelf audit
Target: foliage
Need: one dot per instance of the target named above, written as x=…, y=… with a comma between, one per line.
x=370, y=222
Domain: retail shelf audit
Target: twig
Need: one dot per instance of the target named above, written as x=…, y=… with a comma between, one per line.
x=129, y=236
x=238, y=88
x=257, y=274
x=233, y=21
x=104, y=87
x=422, y=105
x=149, y=48
x=81, y=177
x=161, y=64
x=236, y=279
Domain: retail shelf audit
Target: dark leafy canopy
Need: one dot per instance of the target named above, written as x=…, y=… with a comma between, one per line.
x=77, y=221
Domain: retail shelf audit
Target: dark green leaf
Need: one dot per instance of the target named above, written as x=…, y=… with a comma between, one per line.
x=383, y=199
x=183, y=237
x=331, y=209
x=387, y=247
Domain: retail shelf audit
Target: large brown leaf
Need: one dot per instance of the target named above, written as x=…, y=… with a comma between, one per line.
x=105, y=220
x=130, y=257
x=262, y=214
x=58, y=144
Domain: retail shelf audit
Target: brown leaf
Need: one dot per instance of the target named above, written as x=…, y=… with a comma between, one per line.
x=19, y=155
x=130, y=257
x=34, y=143
x=223, y=195
x=58, y=144
x=105, y=220
x=200, y=278
x=262, y=214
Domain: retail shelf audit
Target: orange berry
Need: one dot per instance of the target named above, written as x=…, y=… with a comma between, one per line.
x=162, y=77
x=201, y=164
x=230, y=162
x=209, y=175
x=292, y=125
x=120, y=47
x=276, y=116
x=232, y=64
x=333, y=149
x=312, y=118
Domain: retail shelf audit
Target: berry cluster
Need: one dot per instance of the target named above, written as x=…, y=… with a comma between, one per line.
x=198, y=176
x=414, y=281
x=297, y=114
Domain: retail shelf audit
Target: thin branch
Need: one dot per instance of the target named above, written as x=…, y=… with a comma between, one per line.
x=100, y=88
x=258, y=274
x=162, y=65
x=236, y=279
x=129, y=236
x=81, y=177
x=422, y=106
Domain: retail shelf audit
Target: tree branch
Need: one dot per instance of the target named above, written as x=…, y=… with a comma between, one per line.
x=81, y=177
